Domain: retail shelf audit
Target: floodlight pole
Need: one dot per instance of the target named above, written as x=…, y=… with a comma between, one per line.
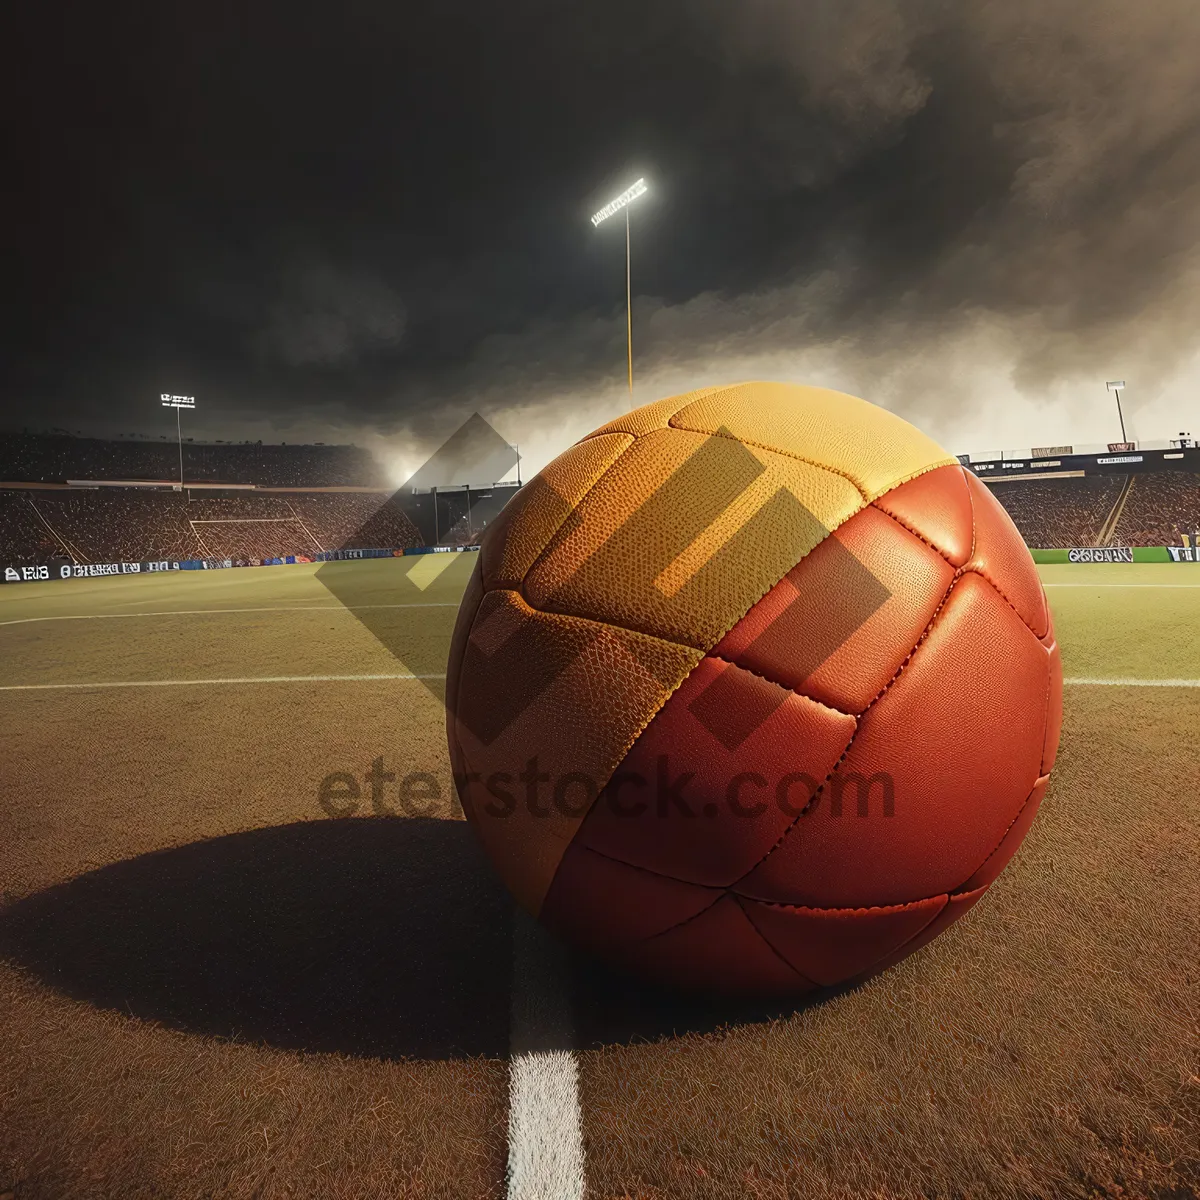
x=623, y=201
x=1116, y=386
x=178, y=402
x=628, y=307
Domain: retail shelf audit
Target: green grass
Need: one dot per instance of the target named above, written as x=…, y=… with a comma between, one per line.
x=1123, y=620
x=1043, y=1047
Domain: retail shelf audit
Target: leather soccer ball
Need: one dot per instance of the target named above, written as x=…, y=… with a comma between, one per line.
x=753, y=689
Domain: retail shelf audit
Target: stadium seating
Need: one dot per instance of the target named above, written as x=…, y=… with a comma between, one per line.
x=30, y=457
x=1053, y=513
x=1160, y=508
x=132, y=524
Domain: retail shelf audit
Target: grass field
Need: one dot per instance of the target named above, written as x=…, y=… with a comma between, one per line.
x=209, y=988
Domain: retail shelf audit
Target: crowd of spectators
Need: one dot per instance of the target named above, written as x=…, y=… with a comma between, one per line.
x=1056, y=513
x=1160, y=508
x=355, y=520
x=23, y=535
x=54, y=457
x=136, y=524
x=114, y=524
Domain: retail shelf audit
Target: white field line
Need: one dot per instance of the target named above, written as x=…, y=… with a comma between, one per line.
x=1123, y=585
x=132, y=683
x=1174, y=683
x=545, y=1125
x=204, y=612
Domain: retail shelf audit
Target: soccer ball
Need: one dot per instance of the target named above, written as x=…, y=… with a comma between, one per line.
x=753, y=689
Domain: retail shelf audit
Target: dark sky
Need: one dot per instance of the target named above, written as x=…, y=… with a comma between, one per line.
x=355, y=217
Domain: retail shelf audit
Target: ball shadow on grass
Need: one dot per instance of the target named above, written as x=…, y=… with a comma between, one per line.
x=377, y=937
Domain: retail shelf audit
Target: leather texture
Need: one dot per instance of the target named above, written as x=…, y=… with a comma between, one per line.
x=790, y=677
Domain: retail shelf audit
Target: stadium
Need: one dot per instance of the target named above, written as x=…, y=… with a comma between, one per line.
x=249, y=951
x=86, y=501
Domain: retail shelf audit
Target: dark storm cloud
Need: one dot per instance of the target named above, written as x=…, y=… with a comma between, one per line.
x=378, y=219
x=326, y=318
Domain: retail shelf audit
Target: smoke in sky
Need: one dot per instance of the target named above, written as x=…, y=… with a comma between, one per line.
x=972, y=211
x=1016, y=218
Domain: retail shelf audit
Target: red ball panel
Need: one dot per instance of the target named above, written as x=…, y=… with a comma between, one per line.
x=709, y=767
x=999, y=858
x=957, y=906
x=829, y=945
x=1054, y=715
x=959, y=735
x=601, y=903
x=839, y=625
x=937, y=507
x=1001, y=557
x=719, y=949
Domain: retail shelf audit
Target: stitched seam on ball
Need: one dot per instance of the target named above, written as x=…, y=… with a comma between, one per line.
x=650, y=715
x=920, y=536
x=771, y=945
x=857, y=730
x=633, y=438
x=828, y=535
x=896, y=483
x=900, y=950
x=902, y=906
x=907, y=941
x=996, y=588
x=984, y=575
x=971, y=502
x=685, y=400
x=708, y=887
x=776, y=683
x=967, y=569
x=602, y=623
x=958, y=891
x=729, y=437
x=820, y=466
x=680, y=924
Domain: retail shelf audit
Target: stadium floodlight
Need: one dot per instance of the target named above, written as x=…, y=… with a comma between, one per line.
x=178, y=402
x=1117, y=386
x=623, y=201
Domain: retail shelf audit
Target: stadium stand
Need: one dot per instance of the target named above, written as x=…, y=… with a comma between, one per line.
x=332, y=498
x=346, y=520
x=1159, y=509
x=23, y=535
x=134, y=524
x=118, y=524
x=37, y=457
x=1054, y=513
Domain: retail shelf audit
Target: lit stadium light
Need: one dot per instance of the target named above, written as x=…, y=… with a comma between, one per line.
x=623, y=201
x=178, y=402
x=1118, y=386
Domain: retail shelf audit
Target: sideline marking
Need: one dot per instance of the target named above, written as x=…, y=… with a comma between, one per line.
x=545, y=1126
x=1086, y=682
x=1124, y=585
x=128, y=683
x=204, y=612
